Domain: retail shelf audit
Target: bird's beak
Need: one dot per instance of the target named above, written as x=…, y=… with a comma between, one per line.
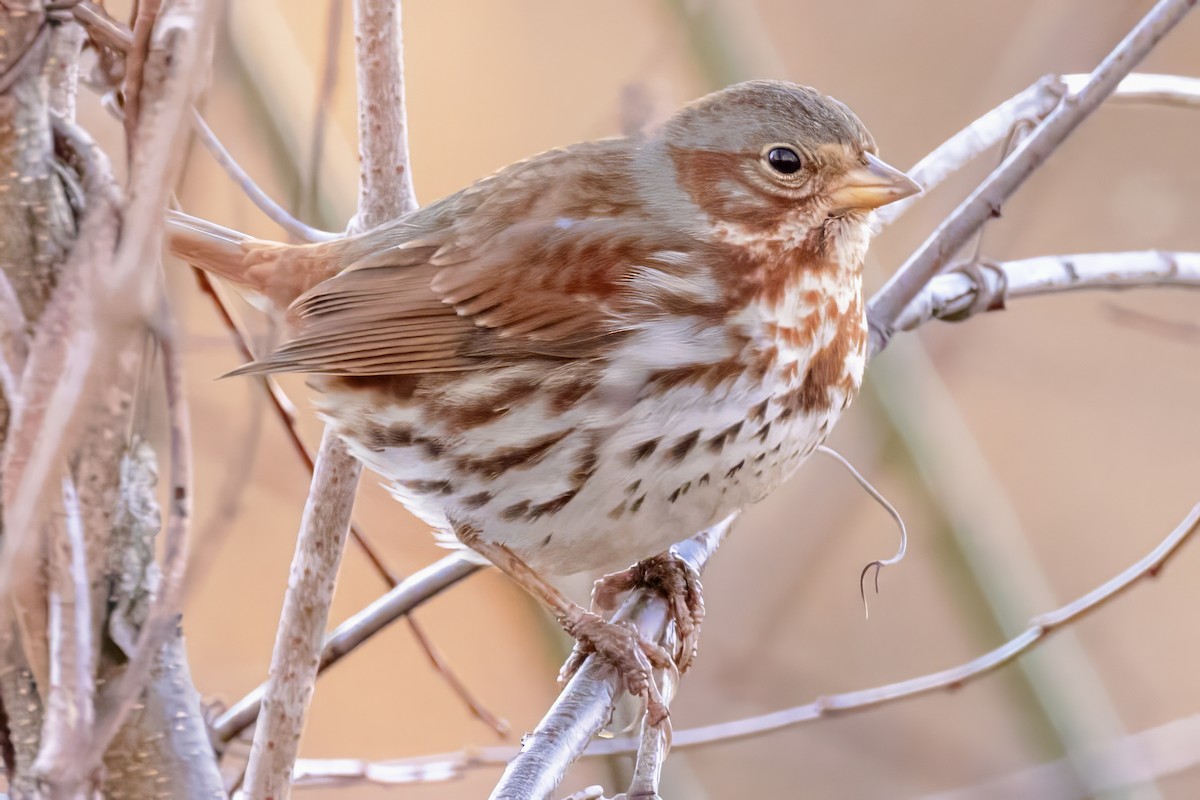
x=872, y=186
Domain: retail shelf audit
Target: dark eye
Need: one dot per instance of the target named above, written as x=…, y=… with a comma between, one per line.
x=784, y=159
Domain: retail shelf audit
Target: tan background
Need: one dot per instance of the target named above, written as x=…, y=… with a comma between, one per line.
x=1088, y=427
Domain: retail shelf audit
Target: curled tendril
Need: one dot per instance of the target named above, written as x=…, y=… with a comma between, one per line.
x=878, y=564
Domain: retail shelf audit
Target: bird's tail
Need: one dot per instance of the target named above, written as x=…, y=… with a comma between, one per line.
x=270, y=274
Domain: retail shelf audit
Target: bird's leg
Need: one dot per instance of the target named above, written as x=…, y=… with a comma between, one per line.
x=633, y=657
x=675, y=580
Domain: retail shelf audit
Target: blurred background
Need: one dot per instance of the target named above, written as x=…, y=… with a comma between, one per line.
x=1033, y=453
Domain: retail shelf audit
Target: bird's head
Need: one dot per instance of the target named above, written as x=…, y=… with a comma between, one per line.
x=774, y=161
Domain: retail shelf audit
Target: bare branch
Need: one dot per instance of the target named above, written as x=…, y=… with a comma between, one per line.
x=70, y=695
x=955, y=230
x=584, y=706
x=385, y=188
x=120, y=694
x=62, y=67
x=1030, y=107
x=311, y=582
x=449, y=766
x=385, y=192
x=1143, y=88
x=963, y=292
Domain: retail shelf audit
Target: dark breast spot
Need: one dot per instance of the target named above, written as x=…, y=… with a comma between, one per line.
x=552, y=506
x=717, y=443
x=428, y=487
x=643, y=450
x=518, y=457
x=477, y=500
x=681, y=448
x=515, y=511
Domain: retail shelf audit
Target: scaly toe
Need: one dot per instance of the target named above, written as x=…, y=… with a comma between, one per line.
x=633, y=658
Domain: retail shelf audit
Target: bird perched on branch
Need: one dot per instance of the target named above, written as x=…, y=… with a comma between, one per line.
x=598, y=351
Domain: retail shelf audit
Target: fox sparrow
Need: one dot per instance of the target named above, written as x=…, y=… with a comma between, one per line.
x=598, y=351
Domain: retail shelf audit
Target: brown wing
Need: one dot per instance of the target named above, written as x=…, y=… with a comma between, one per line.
x=554, y=284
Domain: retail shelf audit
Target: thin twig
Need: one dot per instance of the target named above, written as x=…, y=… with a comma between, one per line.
x=960, y=293
x=277, y=213
x=115, y=35
x=955, y=230
x=453, y=765
x=135, y=62
x=1030, y=106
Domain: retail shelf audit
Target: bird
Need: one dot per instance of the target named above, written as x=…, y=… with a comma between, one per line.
x=598, y=351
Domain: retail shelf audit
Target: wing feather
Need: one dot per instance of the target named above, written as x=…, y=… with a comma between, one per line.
x=467, y=290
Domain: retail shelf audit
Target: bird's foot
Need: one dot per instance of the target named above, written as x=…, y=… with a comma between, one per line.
x=675, y=580
x=633, y=657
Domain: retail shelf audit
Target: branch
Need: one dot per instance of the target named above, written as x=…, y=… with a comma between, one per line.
x=1029, y=107
x=385, y=192
x=70, y=696
x=961, y=293
x=585, y=704
x=986, y=200
x=385, y=188
x=444, y=767
x=121, y=693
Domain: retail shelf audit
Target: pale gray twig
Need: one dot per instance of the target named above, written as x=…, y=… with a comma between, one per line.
x=266, y=204
x=1031, y=105
x=960, y=293
x=956, y=229
x=1142, y=88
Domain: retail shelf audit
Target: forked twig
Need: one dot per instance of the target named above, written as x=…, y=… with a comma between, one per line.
x=959, y=293
x=955, y=230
